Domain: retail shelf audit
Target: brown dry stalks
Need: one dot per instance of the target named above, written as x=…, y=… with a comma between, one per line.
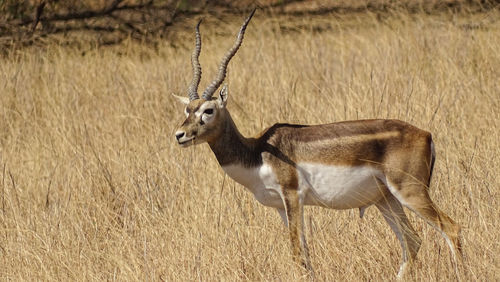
x=93, y=186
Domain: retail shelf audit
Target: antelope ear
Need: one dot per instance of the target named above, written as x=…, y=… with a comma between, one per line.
x=223, y=96
x=184, y=100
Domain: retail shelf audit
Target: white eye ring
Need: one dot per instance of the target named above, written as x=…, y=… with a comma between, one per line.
x=208, y=115
x=186, y=112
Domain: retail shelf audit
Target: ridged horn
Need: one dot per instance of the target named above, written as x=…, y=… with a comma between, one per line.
x=193, y=87
x=210, y=90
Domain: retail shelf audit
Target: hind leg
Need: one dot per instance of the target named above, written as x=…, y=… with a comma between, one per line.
x=413, y=194
x=395, y=216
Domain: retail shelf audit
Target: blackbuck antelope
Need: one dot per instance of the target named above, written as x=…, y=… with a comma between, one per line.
x=343, y=165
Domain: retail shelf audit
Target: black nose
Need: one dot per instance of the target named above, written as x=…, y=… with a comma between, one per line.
x=179, y=135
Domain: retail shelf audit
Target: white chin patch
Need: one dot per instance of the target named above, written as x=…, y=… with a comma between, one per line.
x=186, y=141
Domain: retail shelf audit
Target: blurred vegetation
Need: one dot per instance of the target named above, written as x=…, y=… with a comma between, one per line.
x=28, y=22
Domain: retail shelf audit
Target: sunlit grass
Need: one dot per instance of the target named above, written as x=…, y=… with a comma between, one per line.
x=94, y=187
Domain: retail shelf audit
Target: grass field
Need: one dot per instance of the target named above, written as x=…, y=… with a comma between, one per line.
x=94, y=187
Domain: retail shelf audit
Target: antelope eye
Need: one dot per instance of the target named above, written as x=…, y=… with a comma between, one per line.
x=208, y=111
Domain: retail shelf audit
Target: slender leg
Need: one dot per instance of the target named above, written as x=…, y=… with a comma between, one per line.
x=294, y=213
x=415, y=197
x=303, y=241
x=411, y=186
x=282, y=213
x=395, y=216
x=411, y=189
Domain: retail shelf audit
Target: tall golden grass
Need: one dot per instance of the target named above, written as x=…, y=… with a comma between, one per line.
x=93, y=186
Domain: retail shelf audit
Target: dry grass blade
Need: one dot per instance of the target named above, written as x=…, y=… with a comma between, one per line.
x=84, y=124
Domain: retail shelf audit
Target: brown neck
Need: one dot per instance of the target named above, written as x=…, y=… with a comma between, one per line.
x=230, y=147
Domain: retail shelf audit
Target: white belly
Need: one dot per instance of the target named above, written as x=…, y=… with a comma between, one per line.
x=339, y=187
x=260, y=180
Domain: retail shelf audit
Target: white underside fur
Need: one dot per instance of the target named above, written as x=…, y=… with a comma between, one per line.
x=338, y=187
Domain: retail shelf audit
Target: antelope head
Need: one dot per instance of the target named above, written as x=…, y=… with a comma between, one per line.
x=205, y=115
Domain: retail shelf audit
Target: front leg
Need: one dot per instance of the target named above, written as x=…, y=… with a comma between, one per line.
x=282, y=213
x=294, y=208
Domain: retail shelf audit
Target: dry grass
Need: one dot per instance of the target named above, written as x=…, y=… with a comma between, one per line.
x=93, y=186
